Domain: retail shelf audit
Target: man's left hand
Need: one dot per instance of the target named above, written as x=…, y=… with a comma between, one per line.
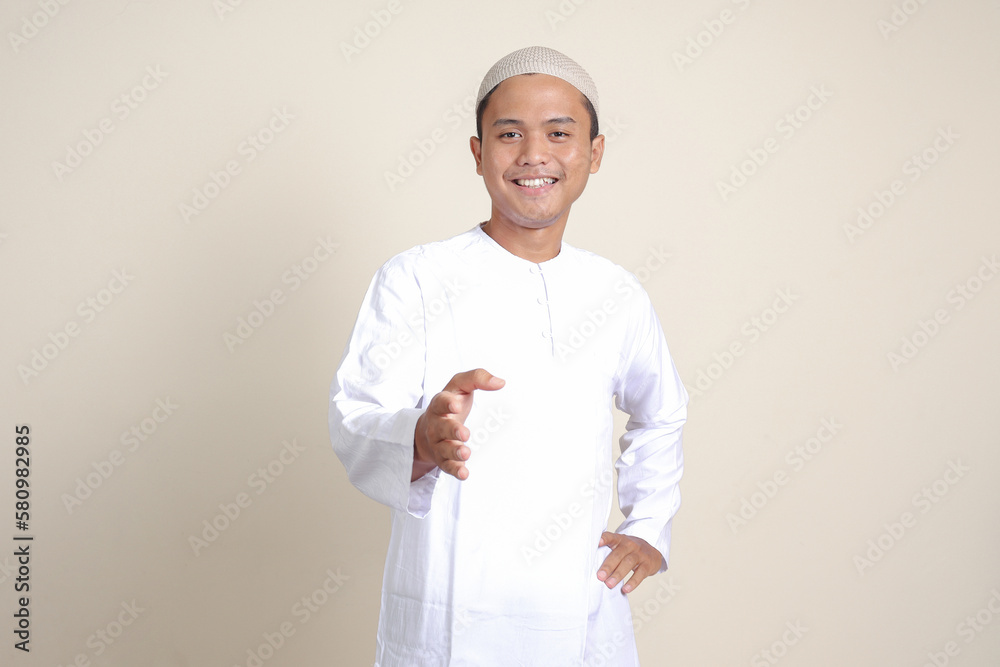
x=628, y=554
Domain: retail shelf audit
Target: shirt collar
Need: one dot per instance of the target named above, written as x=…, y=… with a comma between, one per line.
x=512, y=259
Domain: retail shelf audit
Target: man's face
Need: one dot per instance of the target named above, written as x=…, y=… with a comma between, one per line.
x=535, y=127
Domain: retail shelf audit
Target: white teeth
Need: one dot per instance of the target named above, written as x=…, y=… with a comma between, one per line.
x=535, y=182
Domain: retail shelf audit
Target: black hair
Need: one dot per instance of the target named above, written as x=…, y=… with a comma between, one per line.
x=481, y=108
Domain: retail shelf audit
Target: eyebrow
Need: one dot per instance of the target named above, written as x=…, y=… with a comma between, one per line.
x=561, y=120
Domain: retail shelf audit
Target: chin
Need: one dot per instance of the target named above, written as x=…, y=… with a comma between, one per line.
x=535, y=219
x=535, y=224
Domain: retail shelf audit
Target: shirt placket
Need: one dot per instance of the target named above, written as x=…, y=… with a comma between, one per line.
x=544, y=312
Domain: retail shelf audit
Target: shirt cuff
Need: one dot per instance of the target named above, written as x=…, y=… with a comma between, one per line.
x=420, y=491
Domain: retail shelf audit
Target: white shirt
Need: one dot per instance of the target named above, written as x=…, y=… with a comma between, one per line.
x=500, y=569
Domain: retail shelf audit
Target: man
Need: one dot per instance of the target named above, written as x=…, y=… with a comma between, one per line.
x=500, y=489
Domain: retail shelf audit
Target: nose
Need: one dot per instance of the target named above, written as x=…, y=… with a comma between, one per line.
x=534, y=149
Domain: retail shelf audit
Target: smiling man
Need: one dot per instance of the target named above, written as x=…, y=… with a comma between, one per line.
x=474, y=399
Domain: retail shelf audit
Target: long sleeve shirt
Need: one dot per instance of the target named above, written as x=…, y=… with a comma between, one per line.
x=500, y=569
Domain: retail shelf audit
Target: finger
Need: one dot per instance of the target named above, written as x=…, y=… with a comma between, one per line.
x=468, y=381
x=637, y=577
x=444, y=403
x=610, y=564
x=628, y=562
x=455, y=469
x=445, y=429
x=453, y=450
x=608, y=539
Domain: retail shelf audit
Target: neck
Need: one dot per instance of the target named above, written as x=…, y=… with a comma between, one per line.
x=535, y=245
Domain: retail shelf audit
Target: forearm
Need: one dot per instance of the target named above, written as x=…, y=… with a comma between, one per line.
x=649, y=474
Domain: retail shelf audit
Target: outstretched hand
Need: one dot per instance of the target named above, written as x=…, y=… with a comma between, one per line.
x=440, y=437
x=628, y=554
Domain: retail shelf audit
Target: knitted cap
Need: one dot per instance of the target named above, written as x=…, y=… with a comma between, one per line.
x=539, y=60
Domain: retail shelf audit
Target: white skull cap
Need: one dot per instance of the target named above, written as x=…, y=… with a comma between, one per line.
x=539, y=60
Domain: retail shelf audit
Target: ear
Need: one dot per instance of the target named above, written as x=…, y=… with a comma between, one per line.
x=477, y=152
x=596, y=153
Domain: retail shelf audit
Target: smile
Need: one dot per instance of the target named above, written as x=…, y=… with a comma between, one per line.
x=534, y=182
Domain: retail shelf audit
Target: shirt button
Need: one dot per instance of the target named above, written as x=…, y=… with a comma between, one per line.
x=546, y=334
x=535, y=270
x=542, y=300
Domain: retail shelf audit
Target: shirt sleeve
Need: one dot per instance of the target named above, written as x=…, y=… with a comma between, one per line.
x=376, y=394
x=651, y=463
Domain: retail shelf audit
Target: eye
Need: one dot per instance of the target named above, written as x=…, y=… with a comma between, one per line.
x=559, y=134
x=509, y=135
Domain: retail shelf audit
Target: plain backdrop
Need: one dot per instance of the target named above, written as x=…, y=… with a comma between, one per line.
x=196, y=195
